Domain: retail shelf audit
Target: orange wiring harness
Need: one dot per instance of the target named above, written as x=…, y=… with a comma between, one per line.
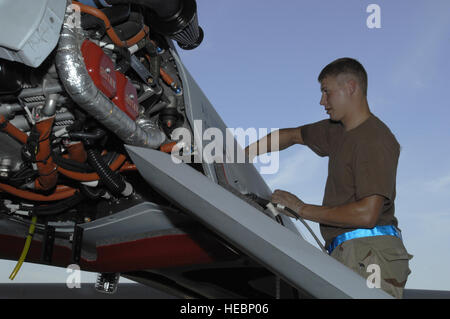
x=61, y=191
x=38, y=197
x=48, y=176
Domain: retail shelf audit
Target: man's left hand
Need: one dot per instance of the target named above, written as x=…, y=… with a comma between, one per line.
x=289, y=200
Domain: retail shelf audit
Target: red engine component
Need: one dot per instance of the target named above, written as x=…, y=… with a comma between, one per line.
x=126, y=98
x=100, y=68
x=113, y=84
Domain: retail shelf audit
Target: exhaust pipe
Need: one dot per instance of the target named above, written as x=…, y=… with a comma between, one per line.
x=79, y=85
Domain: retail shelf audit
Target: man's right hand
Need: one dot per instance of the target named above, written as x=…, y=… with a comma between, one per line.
x=286, y=137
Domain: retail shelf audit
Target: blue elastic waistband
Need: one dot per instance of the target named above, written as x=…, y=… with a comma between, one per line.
x=362, y=232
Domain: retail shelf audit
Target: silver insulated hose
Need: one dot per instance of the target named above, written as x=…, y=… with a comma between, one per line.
x=80, y=87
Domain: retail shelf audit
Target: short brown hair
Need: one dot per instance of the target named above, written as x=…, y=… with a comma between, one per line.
x=346, y=66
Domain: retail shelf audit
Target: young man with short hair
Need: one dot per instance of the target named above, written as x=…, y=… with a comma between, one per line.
x=357, y=214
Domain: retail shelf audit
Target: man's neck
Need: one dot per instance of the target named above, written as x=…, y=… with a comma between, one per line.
x=357, y=117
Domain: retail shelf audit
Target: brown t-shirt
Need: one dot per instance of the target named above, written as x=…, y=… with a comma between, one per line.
x=362, y=162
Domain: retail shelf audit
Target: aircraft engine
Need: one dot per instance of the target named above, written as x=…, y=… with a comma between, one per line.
x=77, y=83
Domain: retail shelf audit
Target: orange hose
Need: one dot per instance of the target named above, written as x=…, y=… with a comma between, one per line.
x=166, y=77
x=167, y=148
x=127, y=166
x=89, y=177
x=77, y=152
x=48, y=176
x=38, y=197
x=13, y=131
x=109, y=29
x=62, y=188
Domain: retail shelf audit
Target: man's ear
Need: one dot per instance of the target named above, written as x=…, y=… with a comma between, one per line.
x=352, y=86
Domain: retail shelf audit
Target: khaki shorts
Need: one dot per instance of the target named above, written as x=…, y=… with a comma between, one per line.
x=383, y=254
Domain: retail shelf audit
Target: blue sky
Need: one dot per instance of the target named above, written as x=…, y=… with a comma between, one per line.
x=259, y=64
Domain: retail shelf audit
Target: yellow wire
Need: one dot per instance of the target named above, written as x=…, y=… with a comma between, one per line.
x=25, y=248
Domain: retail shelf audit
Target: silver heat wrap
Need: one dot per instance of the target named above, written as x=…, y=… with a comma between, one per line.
x=79, y=85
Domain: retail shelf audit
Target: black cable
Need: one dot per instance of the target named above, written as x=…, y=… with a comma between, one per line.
x=58, y=208
x=155, y=60
x=78, y=167
x=31, y=148
x=112, y=180
x=71, y=165
x=123, y=64
x=23, y=173
x=304, y=224
x=92, y=136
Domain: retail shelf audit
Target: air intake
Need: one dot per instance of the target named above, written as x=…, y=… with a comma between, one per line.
x=176, y=19
x=182, y=26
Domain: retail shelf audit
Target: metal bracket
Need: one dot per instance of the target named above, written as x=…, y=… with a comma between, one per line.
x=47, y=244
x=77, y=241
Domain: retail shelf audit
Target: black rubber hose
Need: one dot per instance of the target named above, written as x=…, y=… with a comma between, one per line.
x=78, y=167
x=58, y=208
x=112, y=180
x=130, y=27
x=124, y=62
x=116, y=16
x=163, y=8
x=155, y=60
x=93, y=136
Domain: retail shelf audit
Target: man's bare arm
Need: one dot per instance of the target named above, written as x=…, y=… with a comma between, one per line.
x=287, y=137
x=360, y=214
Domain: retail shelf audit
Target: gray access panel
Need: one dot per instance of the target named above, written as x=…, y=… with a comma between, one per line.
x=274, y=246
x=30, y=29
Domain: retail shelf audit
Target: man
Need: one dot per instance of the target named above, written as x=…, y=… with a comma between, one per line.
x=357, y=214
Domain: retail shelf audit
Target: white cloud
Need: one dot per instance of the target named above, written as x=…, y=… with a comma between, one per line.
x=439, y=184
